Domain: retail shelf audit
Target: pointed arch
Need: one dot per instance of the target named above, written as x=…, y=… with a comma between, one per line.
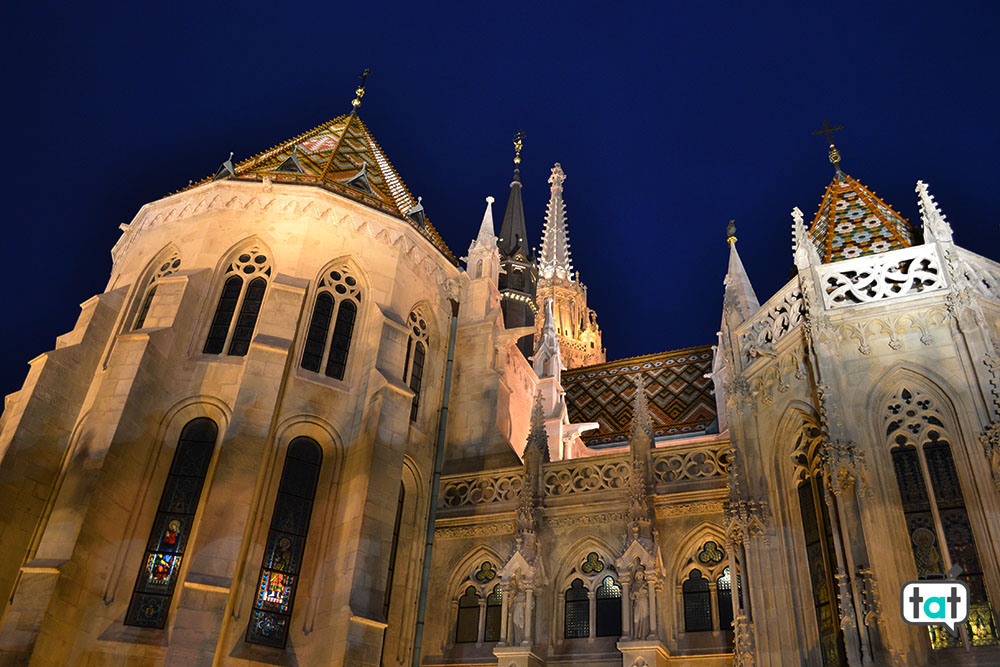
x=340, y=290
x=917, y=426
x=684, y=557
x=245, y=272
x=421, y=325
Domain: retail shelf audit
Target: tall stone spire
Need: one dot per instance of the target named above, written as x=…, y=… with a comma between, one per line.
x=518, y=275
x=936, y=227
x=555, y=258
x=739, y=298
x=483, y=259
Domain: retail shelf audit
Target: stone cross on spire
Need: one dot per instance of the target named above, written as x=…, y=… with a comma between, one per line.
x=555, y=258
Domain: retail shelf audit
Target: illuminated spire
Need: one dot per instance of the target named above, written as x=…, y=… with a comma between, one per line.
x=936, y=228
x=555, y=257
x=547, y=360
x=513, y=232
x=739, y=297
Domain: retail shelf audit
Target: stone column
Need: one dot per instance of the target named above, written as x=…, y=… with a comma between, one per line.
x=650, y=582
x=504, y=606
x=482, y=621
x=529, y=618
x=626, y=609
x=592, y=599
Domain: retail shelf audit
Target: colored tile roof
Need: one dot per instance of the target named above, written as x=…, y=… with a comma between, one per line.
x=680, y=396
x=341, y=156
x=852, y=221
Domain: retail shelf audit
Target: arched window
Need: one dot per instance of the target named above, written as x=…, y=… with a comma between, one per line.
x=818, y=534
x=517, y=281
x=286, y=539
x=697, y=603
x=724, y=600
x=577, y=619
x=243, y=293
x=168, y=266
x=172, y=527
x=338, y=291
x=416, y=354
x=494, y=606
x=467, y=626
x=392, y=552
x=921, y=451
x=609, y=608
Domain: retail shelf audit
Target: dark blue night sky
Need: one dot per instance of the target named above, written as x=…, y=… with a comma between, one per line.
x=669, y=119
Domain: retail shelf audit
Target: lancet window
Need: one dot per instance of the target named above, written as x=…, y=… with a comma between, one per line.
x=337, y=302
x=168, y=539
x=704, y=588
x=281, y=567
x=815, y=500
x=416, y=355
x=167, y=267
x=480, y=608
x=241, y=298
x=592, y=604
x=724, y=599
x=934, y=508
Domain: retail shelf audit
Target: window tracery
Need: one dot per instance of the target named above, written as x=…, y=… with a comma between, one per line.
x=934, y=507
x=592, y=599
x=337, y=301
x=171, y=531
x=242, y=295
x=697, y=603
x=416, y=355
x=480, y=607
x=704, y=587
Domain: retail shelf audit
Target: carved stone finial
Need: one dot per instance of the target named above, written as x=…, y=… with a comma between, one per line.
x=731, y=232
x=936, y=227
x=538, y=437
x=803, y=246
x=641, y=428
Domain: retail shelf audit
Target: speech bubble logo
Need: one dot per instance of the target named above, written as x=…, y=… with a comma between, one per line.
x=929, y=602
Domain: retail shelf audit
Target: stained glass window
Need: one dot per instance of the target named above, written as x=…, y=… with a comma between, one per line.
x=609, y=609
x=577, y=618
x=912, y=420
x=467, y=625
x=494, y=607
x=246, y=298
x=286, y=539
x=172, y=526
x=697, y=603
x=338, y=291
x=724, y=599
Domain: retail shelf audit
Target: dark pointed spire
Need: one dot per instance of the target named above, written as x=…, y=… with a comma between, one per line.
x=513, y=232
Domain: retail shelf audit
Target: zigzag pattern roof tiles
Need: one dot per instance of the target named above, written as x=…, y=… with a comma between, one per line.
x=680, y=397
x=341, y=156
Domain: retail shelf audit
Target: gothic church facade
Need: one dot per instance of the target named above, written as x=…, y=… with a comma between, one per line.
x=295, y=429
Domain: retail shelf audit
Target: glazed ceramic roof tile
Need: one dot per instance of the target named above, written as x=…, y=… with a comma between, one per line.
x=680, y=396
x=852, y=221
x=341, y=156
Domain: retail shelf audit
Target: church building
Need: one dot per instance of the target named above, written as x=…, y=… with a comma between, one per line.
x=295, y=429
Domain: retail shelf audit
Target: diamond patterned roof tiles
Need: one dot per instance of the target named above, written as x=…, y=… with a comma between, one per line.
x=680, y=396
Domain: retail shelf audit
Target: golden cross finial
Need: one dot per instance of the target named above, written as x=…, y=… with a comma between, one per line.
x=828, y=131
x=360, y=92
x=731, y=232
x=518, y=145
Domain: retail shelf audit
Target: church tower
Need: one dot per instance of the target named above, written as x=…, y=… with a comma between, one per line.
x=518, y=275
x=576, y=324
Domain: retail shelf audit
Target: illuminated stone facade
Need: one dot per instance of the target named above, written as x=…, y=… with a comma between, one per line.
x=235, y=455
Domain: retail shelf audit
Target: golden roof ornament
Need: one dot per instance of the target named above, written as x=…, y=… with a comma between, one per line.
x=731, y=232
x=827, y=130
x=518, y=145
x=360, y=91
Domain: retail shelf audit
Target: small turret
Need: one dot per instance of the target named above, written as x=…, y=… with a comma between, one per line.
x=547, y=360
x=483, y=259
